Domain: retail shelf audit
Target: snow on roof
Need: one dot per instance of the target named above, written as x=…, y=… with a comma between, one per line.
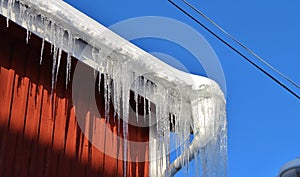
x=201, y=100
x=96, y=35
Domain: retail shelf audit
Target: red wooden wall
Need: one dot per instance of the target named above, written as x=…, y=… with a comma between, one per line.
x=39, y=135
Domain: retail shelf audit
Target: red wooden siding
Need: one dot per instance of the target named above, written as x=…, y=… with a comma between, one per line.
x=39, y=134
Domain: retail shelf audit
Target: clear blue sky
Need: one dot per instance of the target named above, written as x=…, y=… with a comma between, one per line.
x=263, y=119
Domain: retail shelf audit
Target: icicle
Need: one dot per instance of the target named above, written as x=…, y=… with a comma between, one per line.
x=60, y=35
x=125, y=130
x=149, y=89
x=144, y=87
x=27, y=35
x=161, y=128
x=95, y=56
x=125, y=157
x=54, y=47
x=117, y=90
x=45, y=23
x=22, y=12
x=71, y=48
x=107, y=83
x=69, y=67
x=52, y=36
x=108, y=97
x=136, y=97
x=116, y=99
x=99, y=81
x=157, y=109
x=9, y=11
x=58, y=63
x=42, y=50
x=53, y=68
x=125, y=85
x=105, y=77
x=51, y=48
x=29, y=21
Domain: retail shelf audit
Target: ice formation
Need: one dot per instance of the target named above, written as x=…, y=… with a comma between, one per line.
x=192, y=103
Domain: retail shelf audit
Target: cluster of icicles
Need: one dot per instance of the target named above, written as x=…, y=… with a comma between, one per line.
x=205, y=116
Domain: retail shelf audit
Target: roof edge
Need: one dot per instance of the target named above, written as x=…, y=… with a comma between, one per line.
x=91, y=35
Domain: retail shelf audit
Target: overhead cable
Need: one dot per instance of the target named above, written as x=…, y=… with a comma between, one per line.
x=238, y=52
x=241, y=44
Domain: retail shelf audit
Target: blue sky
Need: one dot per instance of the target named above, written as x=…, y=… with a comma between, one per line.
x=263, y=118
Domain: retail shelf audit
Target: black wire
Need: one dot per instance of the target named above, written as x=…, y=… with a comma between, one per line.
x=241, y=44
x=235, y=50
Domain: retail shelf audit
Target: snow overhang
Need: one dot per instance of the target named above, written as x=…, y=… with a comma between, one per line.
x=92, y=35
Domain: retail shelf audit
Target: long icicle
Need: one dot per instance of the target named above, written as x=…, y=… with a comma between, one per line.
x=145, y=91
x=10, y=4
x=105, y=77
x=55, y=50
x=42, y=51
x=60, y=35
x=136, y=97
x=69, y=59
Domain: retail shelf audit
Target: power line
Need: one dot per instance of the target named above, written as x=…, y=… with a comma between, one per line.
x=241, y=44
x=238, y=52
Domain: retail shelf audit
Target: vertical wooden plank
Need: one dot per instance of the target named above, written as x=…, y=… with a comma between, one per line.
x=21, y=87
x=32, y=128
x=142, y=152
x=96, y=155
x=6, y=92
x=9, y=155
x=132, y=150
x=70, y=131
x=46, y=117
x=83, y=114
x=18, y=121
x=46, y=130
x=18, y=111
x=73, y=144
x=147, y=162
x=77, y=167
x=7, y=81
x=115, y=141
x=32, y=114
x=86, y=147
x=59, y=136
x=64, y=163
x=84, y=141
x=60, y=104
x=142, y=136
x=110, y=163
x=120, y=151
x=70, y=139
